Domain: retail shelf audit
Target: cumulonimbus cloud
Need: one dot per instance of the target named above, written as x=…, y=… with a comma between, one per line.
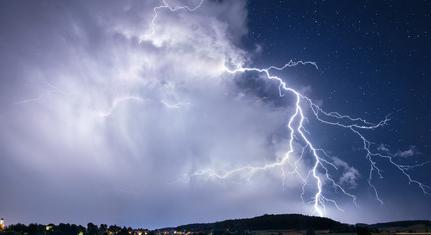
x=102, y=102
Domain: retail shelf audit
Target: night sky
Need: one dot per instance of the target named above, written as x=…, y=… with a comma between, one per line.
x=112, y=114
x=372, y=56
x=373, y=59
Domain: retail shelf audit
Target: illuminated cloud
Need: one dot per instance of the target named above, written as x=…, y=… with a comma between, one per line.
x=411, y=151
x=107, y=113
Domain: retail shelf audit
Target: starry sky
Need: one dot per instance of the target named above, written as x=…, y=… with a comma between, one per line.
x=124, y=112
x=372, y=58
x=377, y=49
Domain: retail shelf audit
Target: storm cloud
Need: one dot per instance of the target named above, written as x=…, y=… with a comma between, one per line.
x=107, y=109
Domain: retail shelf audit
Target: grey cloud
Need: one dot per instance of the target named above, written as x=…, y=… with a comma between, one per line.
x=350, y=175
x=102, y=120
x=411, y=151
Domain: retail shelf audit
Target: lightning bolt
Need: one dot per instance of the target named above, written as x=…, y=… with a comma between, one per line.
x=319, y=172
x=48, y=90
x=116, y=102
x=166, y=6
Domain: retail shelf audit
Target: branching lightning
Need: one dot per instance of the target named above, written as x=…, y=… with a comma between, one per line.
x=165, y=5
x=318, y=172
x=299, y=139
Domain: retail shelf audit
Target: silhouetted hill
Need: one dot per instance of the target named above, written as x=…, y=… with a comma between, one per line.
x=406, y=223
x=270, y=222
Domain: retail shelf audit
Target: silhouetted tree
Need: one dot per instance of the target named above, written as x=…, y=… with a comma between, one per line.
x=92, y=229
x=123, y=231
x=103, y=229
x=35, y=229
x=114, y=229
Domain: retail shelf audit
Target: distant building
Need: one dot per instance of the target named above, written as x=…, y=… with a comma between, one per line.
x=2, y=224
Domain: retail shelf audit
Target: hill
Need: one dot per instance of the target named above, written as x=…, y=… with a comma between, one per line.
x=269, y=222
x=410, y=226
x=407, y=223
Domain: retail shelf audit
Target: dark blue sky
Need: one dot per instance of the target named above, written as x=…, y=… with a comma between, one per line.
x=373, y=56
x=373, y=59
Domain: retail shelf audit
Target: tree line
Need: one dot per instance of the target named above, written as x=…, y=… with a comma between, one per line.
x=71, y=229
